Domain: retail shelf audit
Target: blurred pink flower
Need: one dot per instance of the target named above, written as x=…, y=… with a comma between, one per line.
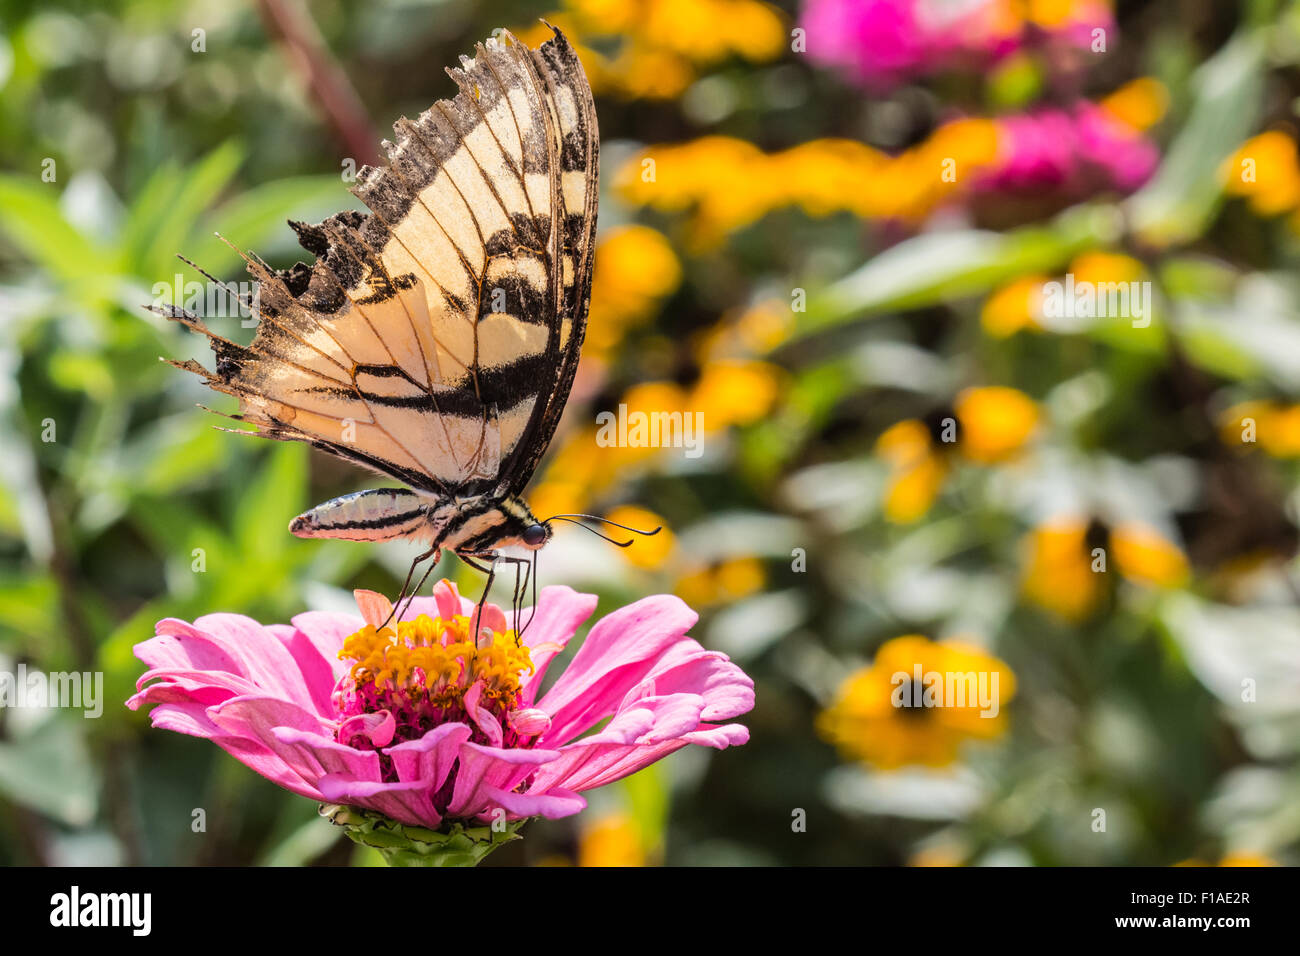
x=881, y=43
x=1076, y=151
x=427, y=726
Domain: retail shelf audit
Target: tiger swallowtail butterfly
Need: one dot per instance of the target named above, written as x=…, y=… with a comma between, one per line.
x=435, y=340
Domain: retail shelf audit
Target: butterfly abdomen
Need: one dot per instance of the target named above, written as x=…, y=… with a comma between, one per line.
x=378, y=515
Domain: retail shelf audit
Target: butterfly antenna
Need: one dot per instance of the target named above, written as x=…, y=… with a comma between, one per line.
x=573, y=519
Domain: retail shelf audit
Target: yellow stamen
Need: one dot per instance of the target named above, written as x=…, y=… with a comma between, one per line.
x=437, y=657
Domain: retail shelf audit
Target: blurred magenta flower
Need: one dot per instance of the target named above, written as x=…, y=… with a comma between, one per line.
x=881, y=43
x=1077, y=150
x=423, y=724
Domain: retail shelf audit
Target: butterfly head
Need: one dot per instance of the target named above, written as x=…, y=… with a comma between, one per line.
x=518, y=526
x=536, y=535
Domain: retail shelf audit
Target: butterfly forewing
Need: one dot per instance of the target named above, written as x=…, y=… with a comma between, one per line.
x=436, y=339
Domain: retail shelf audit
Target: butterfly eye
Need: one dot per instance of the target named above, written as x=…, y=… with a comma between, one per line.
x=535, y=535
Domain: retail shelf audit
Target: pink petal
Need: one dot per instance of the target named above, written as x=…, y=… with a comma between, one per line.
x=326, y=631
x=302, y=742
x=645, y=641
x=485, y=720
x=378, y=728
x=374, y=607
x=194, y=721
x=553, y=804
x=560, y=612
x=528, y=722
x=482, y=768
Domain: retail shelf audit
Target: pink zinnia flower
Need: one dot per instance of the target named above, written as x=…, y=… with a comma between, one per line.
x=881, y=43
x=424, y=723
x=1075, y=151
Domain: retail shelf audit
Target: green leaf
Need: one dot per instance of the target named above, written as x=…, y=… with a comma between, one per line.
x=940, y=266
x=265, y=505
x=31, y=218
x=1179, y=202
x=194, y=193
x=49, y=770
x=648, y=800
x=172, y=453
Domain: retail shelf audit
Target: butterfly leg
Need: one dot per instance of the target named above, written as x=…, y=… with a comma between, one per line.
x=521, y=581
x=522, y=566
x=491, y=572
x=435, y=553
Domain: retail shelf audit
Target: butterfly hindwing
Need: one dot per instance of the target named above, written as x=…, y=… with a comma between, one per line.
x=436, y=338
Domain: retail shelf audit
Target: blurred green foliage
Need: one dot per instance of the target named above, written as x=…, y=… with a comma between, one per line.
x=120, y=505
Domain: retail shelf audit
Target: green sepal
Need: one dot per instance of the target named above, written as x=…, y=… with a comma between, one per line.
x=401, y=844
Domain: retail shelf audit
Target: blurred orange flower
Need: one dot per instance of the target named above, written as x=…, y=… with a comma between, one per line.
x=611, y=840
x=735, y=392
x=1017, y=305
x=1139, y=104
x=1067, y=558
x=727, y=184
x=987, y=426
x=1272, y=426
x=721, y=582
x=662, y=43
x=648, y=552
x=1266, y=172
x=636, y=269
x=881, y=717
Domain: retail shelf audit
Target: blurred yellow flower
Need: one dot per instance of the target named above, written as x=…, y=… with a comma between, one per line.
x=611, y=840
x=644, y=73
x=1139, y=104
x=1066, y=560
x=1265, y=171
x=989, y=425
x=646, y=552
x=1097, y=267
x=941, y=853
x=971, y=144
x=1246, y=859
x=1272, y=426
x=883, y=717
x=825, y=176
x=586, y=464
x=661, y=43
x=578, y=471
x=1017, y=305
x=1145, y=556
x=912, y=490
x=905, y=443
x=705, y=31
x=917, y=470
x=1058, y=573
x=740, y=577
x=722, y=581
x=756, y=331
x=996, y=422
x=1233, y=859
x=636, y=269
x=727, y=184
x=735, y=392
